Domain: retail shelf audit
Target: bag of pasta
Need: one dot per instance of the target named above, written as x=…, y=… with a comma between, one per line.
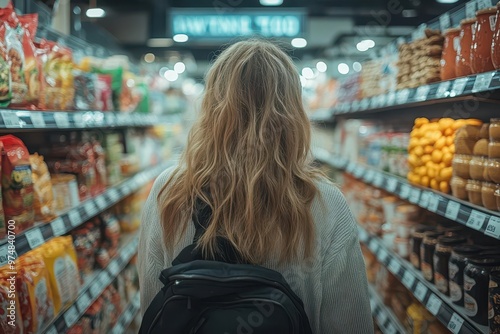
x=42, y=189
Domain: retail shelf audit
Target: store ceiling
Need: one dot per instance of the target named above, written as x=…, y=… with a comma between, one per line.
x=333, y=29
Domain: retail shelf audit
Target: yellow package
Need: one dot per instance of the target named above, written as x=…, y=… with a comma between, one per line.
x=10, y=320
x=42, y=189
x=35, y=293
x=62, y=271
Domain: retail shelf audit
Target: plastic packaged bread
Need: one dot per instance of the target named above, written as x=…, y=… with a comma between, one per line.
x=42, y=189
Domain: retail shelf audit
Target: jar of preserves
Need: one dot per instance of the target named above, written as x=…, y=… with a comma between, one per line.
x=494, y=150
x=484, y=133
x=458, y=187
x=441, y=258
x=494, y=170
x=488, y=195
x=462, y=61
x=449, y=55
x=476, y=286
x=456, y=266
x=480, y=56
x=416, y=241
x=494, y=130
x=476, y=167
x=497, y=198
x=461, y=165
x=427, y=249
x=494, y=302
x=474, y=192
x=495, y=46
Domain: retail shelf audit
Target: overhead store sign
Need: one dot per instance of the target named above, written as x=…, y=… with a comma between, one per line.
x=210, y=24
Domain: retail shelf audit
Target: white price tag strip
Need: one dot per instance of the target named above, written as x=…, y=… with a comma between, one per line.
x=422, y=92
x=379, y=180
x=444, y=21
x=408, y=279
x=415, y=195
x=433, y=203
x=372, y=245
x=402, y=96
x=405, y=191
x=74, y=217
x=424, y=199
x=459, y=86
x=96, y=288
x=114, y=268
x=62, y=119
x=420, y=291
x=369, y=176
x=383, y=255
x=71, y=316
x=434, y=304
x=442, y=90
x=383, y=317
x=493, y=228
x=482, y=82
x=113, y=194
x=391, y=329
x=476, y=220
x=455, y=323
x=481, y=4
x=392, y=184
x=58, y=227
x=90, y=208
x=10, y=119
x=394, y=266
x=83, y=302
x=34, y=237
x=470, y=9
x=452, y=210
x=101, y=202
x=78, y=120
x=37, y=120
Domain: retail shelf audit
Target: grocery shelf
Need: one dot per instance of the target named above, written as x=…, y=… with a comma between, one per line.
x=27, y=120
x=89, y=293
x=383, y=315
x=39, y=234
x=452, y=316
x=465, y=213
x=128, y=315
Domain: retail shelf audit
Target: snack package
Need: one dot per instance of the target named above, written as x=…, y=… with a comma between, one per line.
x=104, y=93
x=85, y=91
x=10, y=315
x=42, y=188
x=86, y=241
x=42, y=50
x=3, y=227
x=17, y=183
x=35, y=293
x=116, y=75
x=60, y=260
x=33, y=64
x=111, y=234
x=5, y=78
x=92, y=319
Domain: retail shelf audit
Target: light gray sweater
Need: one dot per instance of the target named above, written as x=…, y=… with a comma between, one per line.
x=332, y=284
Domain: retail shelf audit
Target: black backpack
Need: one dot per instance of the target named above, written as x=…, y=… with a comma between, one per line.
x=222, y=295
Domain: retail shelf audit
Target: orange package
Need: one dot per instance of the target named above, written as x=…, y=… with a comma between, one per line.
x=35, y=293
x=5, y=80
x=10, y=315
x=33, y=64
x=42, y=189
x=17, y=183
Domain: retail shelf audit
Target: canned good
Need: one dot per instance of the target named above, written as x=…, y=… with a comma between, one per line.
x=415, y=242
x=456, y=267
x=427, y=254
x=441, y=258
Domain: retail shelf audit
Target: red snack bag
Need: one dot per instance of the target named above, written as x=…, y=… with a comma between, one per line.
x=5, y=81
x=17, y=183
x=10, y=315
x=104, y=93
x=42, y=50
x=33, y=64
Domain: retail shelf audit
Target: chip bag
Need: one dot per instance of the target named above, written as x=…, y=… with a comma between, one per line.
x=17, y=183
x=5, y=78
x=10, y=315
x=33, y=64
x=42, y=188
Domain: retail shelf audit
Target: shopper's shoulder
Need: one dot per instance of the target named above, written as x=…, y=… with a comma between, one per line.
x=329, y=192
x=162, y=179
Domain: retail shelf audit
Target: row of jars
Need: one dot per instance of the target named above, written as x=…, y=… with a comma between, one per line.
x=474, y=47
x=461, y=271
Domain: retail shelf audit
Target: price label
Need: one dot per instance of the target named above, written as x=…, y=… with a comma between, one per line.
x=363, y=236
x=101, y=202
x=114, y=268
x=383, y=255
x=433, y=203
x=422, y=92
x=364, y=104
x=402, y=96
x=434, y=304
x=414, y=195
x=78, y=120
x=10, y=119
x=394, y=266
x=58, y=227
x=442, y=90
x=408, y=279
x=476, y=220
x=127, y=317
x=455, y=323
x=71, y=316
x=470, y=9
x=382, y=317
x=392, y=184
x=369, y=176
x=391, y=329
x=37, y=120
x=482, y=82
x=459, y=86
x=419, y=33
x=424, y=200
x=96, y=288
x=405, y=191
x=74, y=217
x=83, y=302
x=373, y=245
x=420, y=291
x=52, y=330
x=90, y=208
x=378, y=180
x=391, y=98
x=113, y=194
x=62, y=119
x=110, y=118
x=444, y=21
x=493, y=228
x=118, y=329
x=481, y=4
x=452, y=210
x=34, y=237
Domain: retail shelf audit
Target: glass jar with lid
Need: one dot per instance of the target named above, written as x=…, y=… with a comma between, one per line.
x=480, y=56
x=456, y=266
x=461, y=165
x=417, y=237
x=476, y=167
x=494, y=130
x=427, y=249
x=441, y=257
x=462, y=61
x=493, y=168
x=449, y=55
x=495, y=47
x=474, y=192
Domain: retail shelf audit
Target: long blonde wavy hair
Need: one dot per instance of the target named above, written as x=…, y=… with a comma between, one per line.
x=247, y=157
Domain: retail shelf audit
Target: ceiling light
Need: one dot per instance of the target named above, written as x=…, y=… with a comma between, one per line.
x=364, y=45
x=95, y=12
x=303, y=81
x=343, y=68
x=171, y=75
x=409, y=13
x=181, y=38
x=299, y=43
x=271, y=2
x=149, y=58
x=162, y=71
x=321, y=66
x=446, y=1
x=160, y=42
x=179, y=67
x=307, y=73
x=356, y=66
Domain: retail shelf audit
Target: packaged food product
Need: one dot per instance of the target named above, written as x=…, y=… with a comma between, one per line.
x=116, y=75
x=481, y=41
x=35, y=293
x=65, y=191
x=461, y=165
x=33, y=65
x=458, y=187
x=456, y=266
x=86, y=241
x=441, y=261
x=42, y=189
x=111, y=233
x=494, y=150
x=462, y=67
x=427, y=249
x=17, y=183
x=494, y=129
x=104, y=93
x=495, y=46
x=10, y=315
x=474, y=192
x=488, y=195
x=449, y=54
x=416, y=242
x=419, y=318
x=494, y=302
x=5, y=76
x=493, y=167
x=481, y=148
x=484, y=133
x=85, y=91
